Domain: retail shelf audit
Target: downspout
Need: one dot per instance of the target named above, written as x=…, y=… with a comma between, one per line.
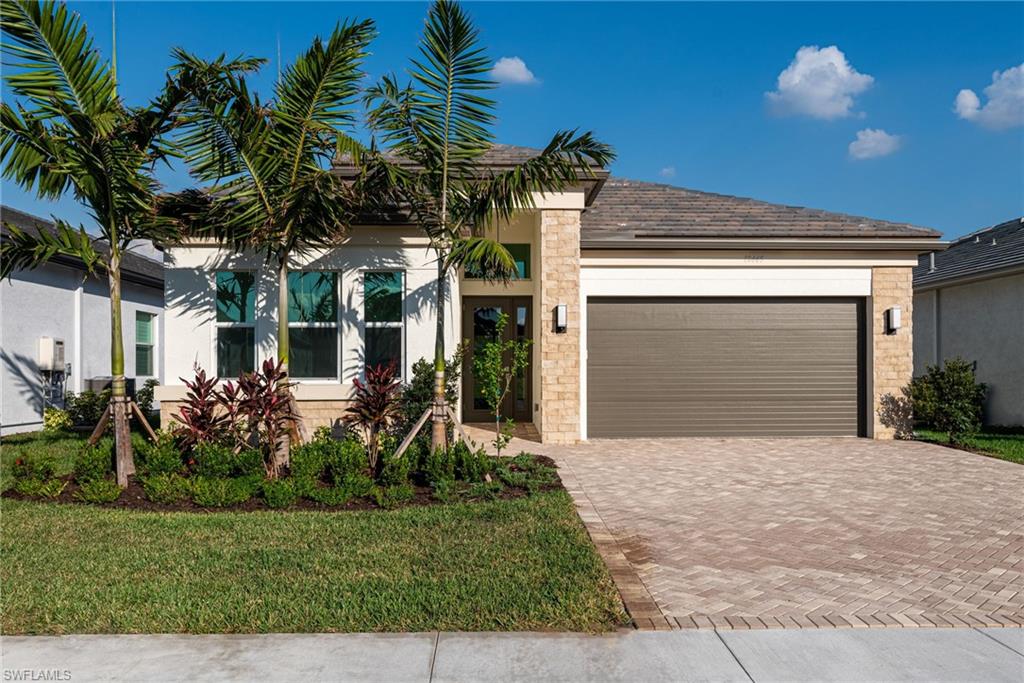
x=77, y=370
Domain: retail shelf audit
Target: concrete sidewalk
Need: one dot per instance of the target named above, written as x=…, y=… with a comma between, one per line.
x=821, y=655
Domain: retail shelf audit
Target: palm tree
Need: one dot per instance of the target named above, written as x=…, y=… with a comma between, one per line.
x=267, y=163
x=69, y=132
x=438, y=127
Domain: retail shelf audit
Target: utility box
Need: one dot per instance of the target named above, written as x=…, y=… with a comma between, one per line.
x=51, y=354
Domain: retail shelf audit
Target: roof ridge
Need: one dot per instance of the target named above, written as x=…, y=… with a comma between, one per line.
x=971, y=235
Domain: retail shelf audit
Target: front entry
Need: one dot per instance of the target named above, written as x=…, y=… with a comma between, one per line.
x=479, y=324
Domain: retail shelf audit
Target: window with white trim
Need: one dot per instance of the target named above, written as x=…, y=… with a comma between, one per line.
x=313, y=325
x=383, y=293
x=145, y=343
x=236, y=322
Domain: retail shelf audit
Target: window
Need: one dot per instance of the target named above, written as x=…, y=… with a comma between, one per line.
x=382, y=300
x=313, y=325
x=144, y=344
x=520, y=254
x=236, y=323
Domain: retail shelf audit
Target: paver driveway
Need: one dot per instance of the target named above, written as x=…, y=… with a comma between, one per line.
x=741, y=533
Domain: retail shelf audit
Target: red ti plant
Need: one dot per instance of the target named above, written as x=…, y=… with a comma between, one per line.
x=375, y=406
x=262, y=412
x=200, y=418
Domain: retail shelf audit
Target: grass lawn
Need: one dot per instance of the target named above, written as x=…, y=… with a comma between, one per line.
x=523, y=564
x=1006, y=444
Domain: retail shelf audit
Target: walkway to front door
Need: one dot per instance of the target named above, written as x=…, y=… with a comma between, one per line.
x=480, y=324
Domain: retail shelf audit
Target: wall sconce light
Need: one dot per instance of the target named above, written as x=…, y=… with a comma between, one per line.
x=561, y=318
x=892, y=320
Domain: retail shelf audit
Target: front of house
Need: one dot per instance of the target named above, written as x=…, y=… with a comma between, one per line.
x=654, y=311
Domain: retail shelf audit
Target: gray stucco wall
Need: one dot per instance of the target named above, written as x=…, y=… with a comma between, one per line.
x=980, y=321
x=42, y=302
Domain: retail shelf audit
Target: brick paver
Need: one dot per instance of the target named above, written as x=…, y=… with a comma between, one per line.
x=803, y=533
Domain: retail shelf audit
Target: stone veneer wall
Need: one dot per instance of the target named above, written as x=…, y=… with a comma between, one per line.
x=892, y=354
x=314, y=413
x=559, y=390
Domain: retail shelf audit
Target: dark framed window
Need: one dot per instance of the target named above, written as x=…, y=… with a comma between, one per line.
x=313, y=325
x=236, y=322
x=383, y=302
x=520, y=254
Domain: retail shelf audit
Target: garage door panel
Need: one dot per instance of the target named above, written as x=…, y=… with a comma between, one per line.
x=689, y=367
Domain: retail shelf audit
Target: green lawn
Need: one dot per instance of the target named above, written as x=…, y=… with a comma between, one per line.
x=1006, y=443
x=523, y=564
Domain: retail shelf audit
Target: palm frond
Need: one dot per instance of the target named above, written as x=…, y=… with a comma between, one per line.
x=22, y=250
x=486, y=258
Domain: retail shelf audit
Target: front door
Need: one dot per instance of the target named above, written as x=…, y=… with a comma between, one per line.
x=480, y=324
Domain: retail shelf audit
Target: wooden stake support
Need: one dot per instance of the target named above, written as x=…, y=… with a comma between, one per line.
x=101, y=426
x=407, y=441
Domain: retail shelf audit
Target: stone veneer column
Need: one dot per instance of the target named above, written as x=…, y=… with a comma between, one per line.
x=892, y=354
x=559, y=266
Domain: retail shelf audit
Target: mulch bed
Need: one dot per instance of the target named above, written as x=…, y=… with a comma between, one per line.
x=134, y=498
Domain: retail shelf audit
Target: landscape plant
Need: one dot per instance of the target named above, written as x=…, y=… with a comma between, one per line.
x=496, y=364
x=375, y=407
x=259, y=413
x=200, y=418
x=949, y=398
x=66, y=131
x=56, y=420
x=437, y=129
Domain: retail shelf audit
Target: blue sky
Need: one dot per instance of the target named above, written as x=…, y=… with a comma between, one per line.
x=682, y=91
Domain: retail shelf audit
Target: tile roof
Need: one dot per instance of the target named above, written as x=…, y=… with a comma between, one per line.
x=992, y=250
x=497, y=157
x=133, y=266
x=632, y=210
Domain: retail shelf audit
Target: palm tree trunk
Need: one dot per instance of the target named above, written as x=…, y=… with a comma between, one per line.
x=282, y=449
x=124, y=463
x=438, y=427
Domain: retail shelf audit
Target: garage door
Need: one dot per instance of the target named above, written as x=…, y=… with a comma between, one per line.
x=724, y=367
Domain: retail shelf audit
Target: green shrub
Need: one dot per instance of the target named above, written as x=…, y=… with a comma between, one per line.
x=418, y=394
x=484, y=490
x=330, y=495
x=166, y=488
x=87, y=407
x=160, y=457
x=395, y=471
x=213, y=460
x=358, y=485
x=39, y=488
x=279, y=493
x=344, y=460
x=98, y=491
x=94, y=463
x=949, y=399
x=388, y=497
x=32, y=468
x=249, y=463
x=144, y=396
x=309, y=460
x=471, y=465
x=218, y=492
x=56, y=420
x=445, y=490
x=438, y=465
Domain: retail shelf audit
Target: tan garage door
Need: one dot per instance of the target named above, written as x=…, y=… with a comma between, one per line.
x=724, y=367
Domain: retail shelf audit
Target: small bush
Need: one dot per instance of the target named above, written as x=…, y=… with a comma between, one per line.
x=167, y=488
x=345, y=460
x=144, y=396
x=439, y=465
x=389, y=497
x=56, y=420
x=309, y=460
x=484, y=490
x=98, y=491
x=32, y=468
x=358, y=485
x=249, y=463
x=87, y=407
x=470, y=465
x=445, y=491
x=95, y=462
x=161, y=457
x=39, y=488
x=330, y=495
x=219, y=493
x=395, y=471
x=949, y=399
x=213, y=460
x=279, y=493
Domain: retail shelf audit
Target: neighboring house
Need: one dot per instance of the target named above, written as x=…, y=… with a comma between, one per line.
x=686, y=313
x=59, y=301
x=969, y=302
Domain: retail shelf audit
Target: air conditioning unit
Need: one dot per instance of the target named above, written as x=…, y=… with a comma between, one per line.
x=51, y=354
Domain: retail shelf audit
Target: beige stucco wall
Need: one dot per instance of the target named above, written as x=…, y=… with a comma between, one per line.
x=983, y=322
x=891, y=361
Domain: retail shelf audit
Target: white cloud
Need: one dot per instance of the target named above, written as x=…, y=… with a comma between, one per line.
x=874, y=142
x=1005, y=106
x=819, y=82
x=512, y=70
x=668, y=172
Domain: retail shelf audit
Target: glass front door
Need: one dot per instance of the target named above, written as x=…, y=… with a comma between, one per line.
x=480, y=324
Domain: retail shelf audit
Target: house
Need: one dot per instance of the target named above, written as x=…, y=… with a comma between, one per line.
x=57, y=309
x=654, y=310
x=969, y=302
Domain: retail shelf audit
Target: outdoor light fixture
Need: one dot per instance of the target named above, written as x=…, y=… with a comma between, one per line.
x=561, y=318
x=892, y=320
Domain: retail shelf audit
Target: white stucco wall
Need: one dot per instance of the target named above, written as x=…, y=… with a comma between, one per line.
x=983, y=322
x=58, y=301
x=190, y=312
